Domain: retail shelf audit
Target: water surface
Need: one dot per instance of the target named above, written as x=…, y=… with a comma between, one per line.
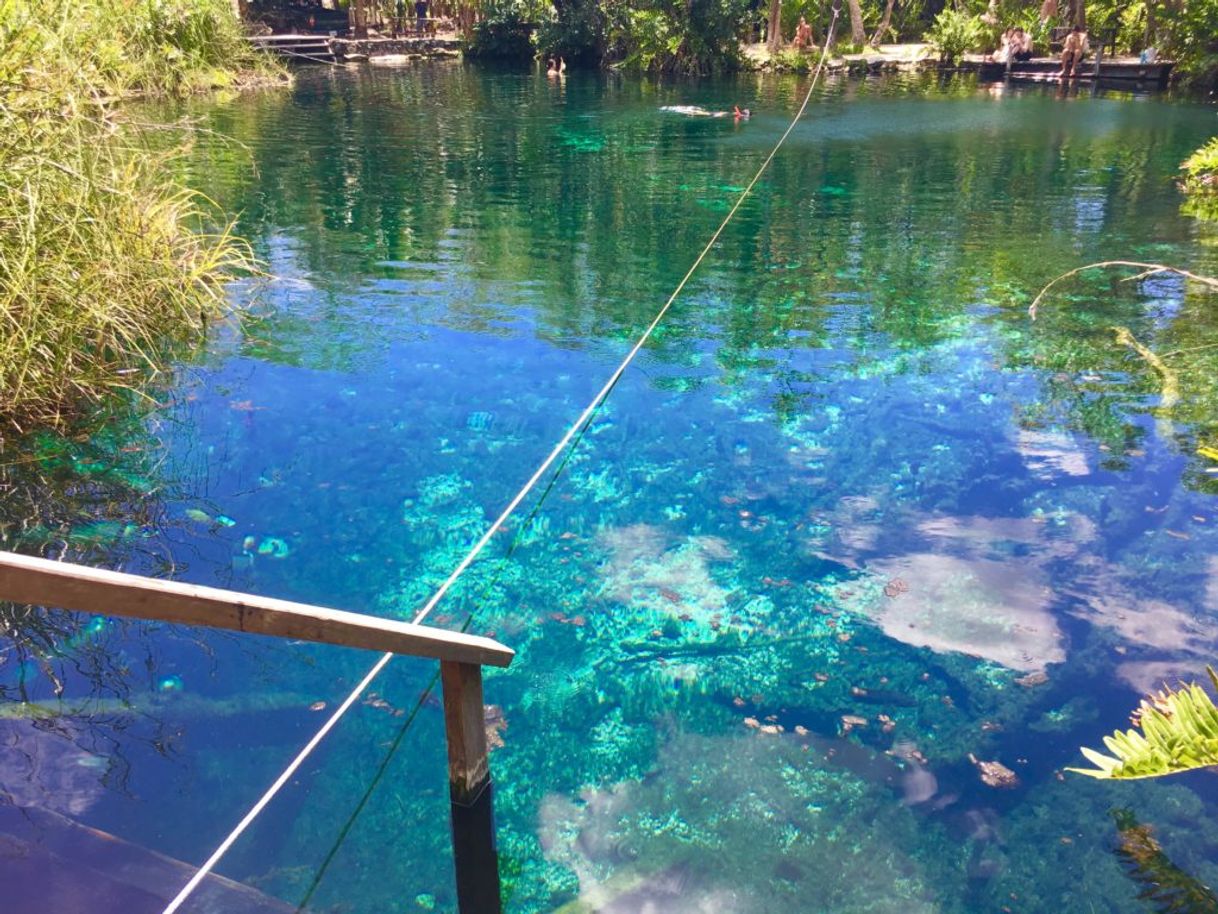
x=851, y=518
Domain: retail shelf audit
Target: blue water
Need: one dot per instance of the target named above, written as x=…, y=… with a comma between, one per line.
x=788, y=580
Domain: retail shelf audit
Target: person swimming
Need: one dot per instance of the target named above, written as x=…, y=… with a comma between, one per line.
x=698, y=111
x=556, y=68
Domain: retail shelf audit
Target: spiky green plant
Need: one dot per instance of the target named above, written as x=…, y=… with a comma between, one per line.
x=104, y=259
x=1179, y=733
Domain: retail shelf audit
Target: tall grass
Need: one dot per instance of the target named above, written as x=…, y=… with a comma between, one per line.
x=103, y=260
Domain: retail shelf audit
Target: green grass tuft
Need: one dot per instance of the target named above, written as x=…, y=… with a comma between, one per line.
x=103, y=263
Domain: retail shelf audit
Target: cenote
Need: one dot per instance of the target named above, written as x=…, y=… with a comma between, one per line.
x=814, y=553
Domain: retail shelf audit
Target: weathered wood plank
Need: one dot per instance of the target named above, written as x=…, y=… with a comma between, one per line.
x=465, y=725
x=24, y=579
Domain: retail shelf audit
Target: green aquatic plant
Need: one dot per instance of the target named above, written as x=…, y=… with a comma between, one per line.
x=1179, y=733
x=1164, y=884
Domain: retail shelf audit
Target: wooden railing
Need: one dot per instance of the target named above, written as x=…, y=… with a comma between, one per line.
x=24, y=579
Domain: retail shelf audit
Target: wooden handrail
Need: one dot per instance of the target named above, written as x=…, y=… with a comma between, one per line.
x=24, y=579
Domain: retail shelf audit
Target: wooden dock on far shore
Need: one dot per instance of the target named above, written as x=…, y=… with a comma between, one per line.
x=1125, y=71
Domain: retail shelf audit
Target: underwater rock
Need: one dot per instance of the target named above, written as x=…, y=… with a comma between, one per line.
x=994, y=774
x=630, y=841
x=643, y=571
x=495, y=723
x=1030, y=681
x=850, y=721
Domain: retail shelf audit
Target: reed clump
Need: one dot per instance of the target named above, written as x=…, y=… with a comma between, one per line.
x=105, y=262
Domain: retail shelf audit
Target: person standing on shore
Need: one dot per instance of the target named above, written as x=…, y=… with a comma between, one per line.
x=420, y=15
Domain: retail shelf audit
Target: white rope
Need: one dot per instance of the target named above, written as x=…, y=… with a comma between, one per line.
x=507, y=512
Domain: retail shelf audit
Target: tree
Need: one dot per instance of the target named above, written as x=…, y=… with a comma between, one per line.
x=774, y=31
x=857, y=35
x=885, y=24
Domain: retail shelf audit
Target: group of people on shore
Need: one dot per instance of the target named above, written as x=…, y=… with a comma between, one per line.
x=1016, y=45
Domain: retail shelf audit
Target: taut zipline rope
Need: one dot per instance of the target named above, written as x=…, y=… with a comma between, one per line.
x=574, y=430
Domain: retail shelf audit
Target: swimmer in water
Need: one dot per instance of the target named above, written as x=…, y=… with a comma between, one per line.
x=737, y=112
x=558, y=68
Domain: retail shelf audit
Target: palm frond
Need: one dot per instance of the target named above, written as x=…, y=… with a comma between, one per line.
x=1179, y=732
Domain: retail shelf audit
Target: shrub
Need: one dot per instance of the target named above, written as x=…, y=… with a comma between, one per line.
x=954, y=33
x=505, y=31
x=790, y=60
x=102, y=261
x=1200, y=182
x=1201, y=169
x=675, y=36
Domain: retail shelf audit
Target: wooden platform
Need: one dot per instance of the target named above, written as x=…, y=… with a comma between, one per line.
x=1123, y=70
x=302, y=48
x=296, y=47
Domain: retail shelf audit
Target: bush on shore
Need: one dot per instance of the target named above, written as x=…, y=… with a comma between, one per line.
x=104, y=260
x=1200, y=181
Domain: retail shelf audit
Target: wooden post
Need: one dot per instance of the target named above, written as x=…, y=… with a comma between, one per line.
x=26, y=579
x=469, y=787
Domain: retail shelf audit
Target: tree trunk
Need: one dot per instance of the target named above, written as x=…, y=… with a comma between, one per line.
x=882, y=32
x=857, y=35
x=773, y=35
x=359, y=19
x=1080, y=13
x=1151, y=24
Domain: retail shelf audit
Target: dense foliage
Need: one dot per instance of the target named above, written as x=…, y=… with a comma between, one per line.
x=700, y=36
x=704, y=35
x=954, y=33
x=100, y=253
x=1201, y=170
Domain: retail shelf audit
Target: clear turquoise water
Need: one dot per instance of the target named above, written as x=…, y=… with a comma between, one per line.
x=849, y=395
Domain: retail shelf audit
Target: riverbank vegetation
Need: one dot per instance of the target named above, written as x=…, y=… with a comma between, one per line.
x=706, y=35
x=104, y=258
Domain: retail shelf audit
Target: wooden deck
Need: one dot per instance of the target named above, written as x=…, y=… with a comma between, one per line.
x=1128, y=71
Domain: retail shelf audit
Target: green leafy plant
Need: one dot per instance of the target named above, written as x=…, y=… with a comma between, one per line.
x=1179, y=732
x=953, y=33
x=1201, y=169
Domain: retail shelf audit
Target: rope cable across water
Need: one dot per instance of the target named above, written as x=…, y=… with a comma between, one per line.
x=572, y=432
